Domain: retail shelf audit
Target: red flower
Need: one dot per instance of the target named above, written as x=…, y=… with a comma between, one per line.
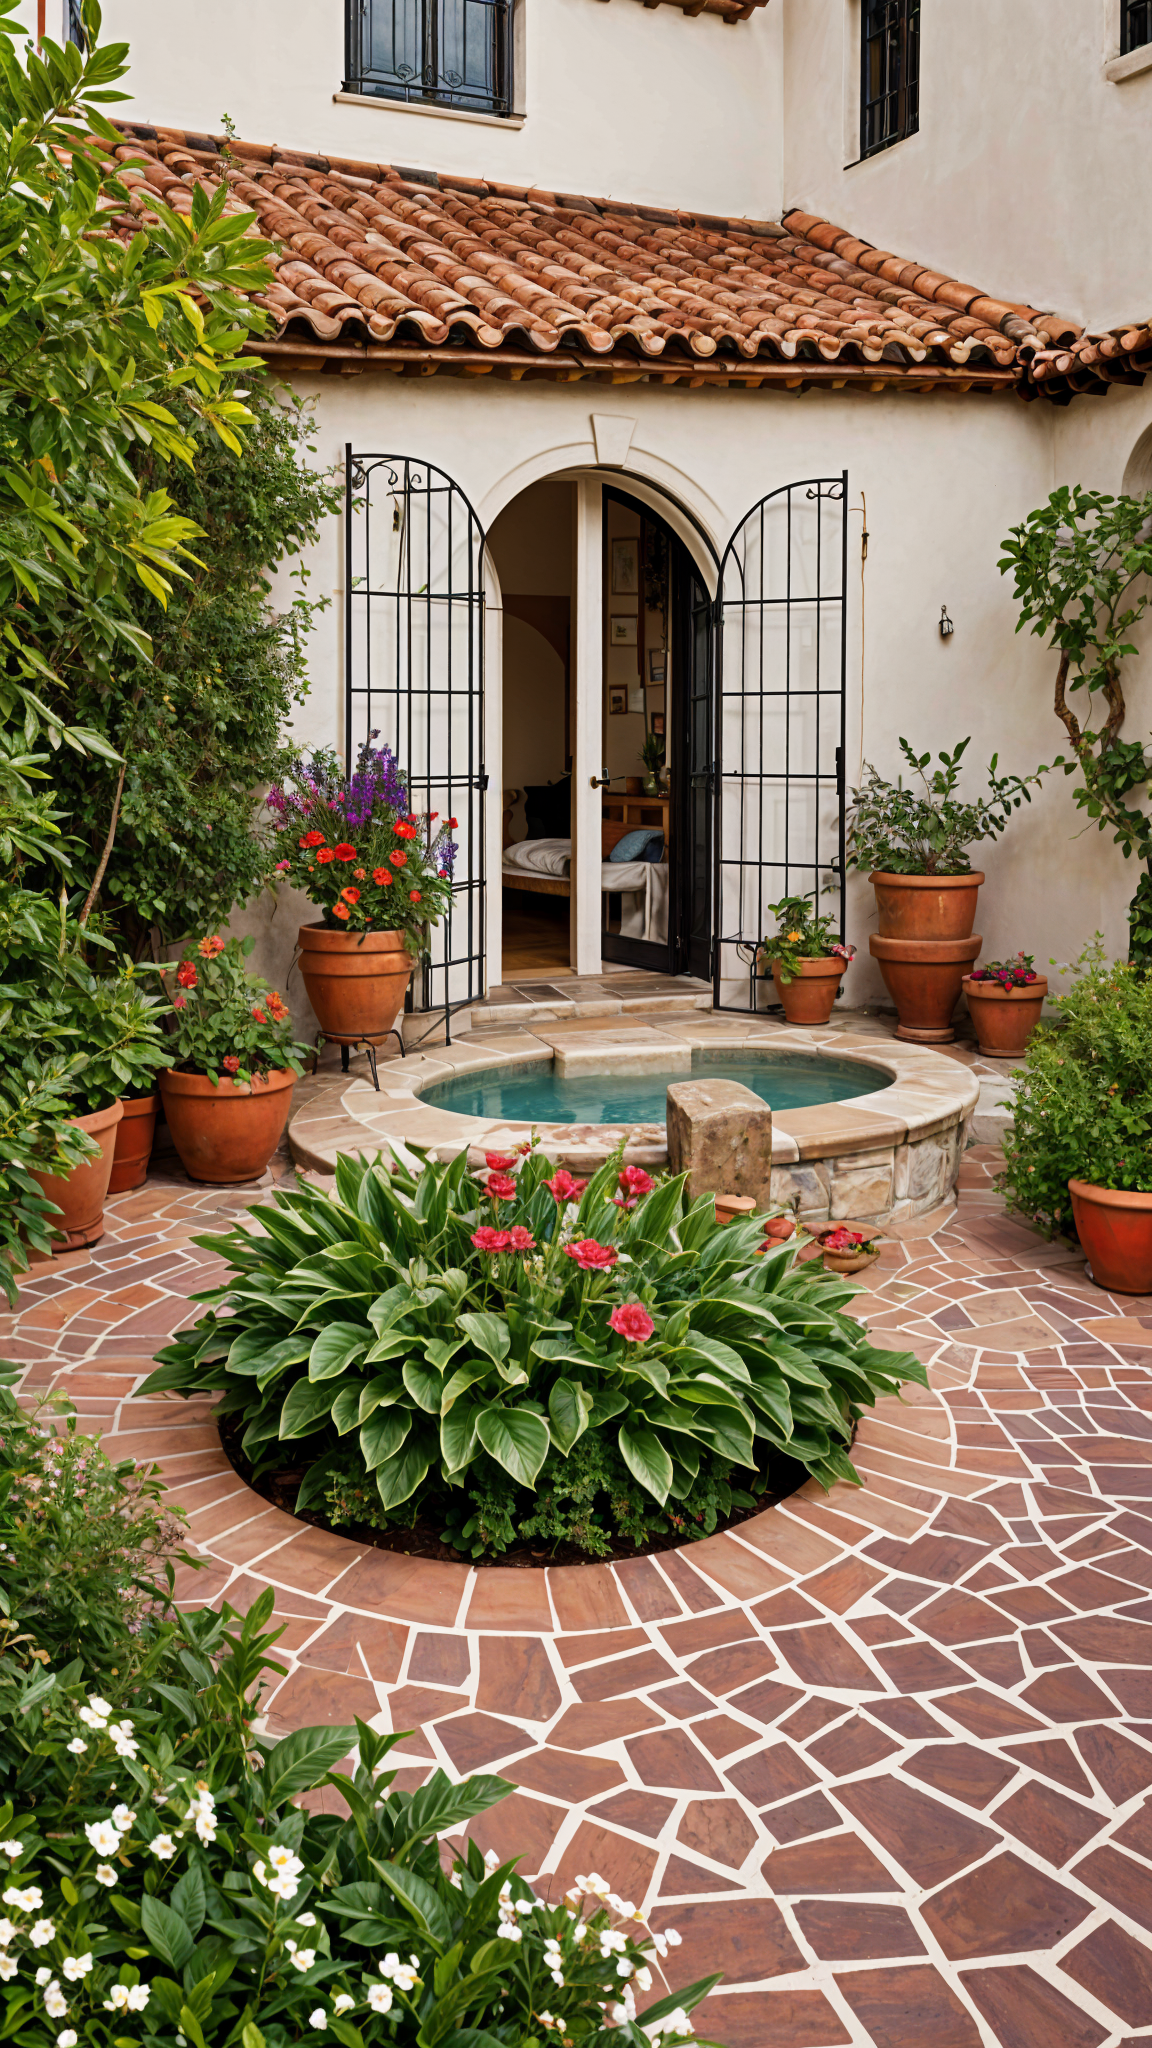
x=259, y=1016
x=501, y=1186
x=282, y=866
x=634, y=1182
x=521, y=1240
x=345, y=852
x=451, y=824
x=592, y=1257
x=843, y=1240
x=563, y=1188
x=341, y=910
x=278, y=1006
x=179, y=1002
x=186, y=975
x=208, y=948
x=488, y=1240
x=499, y=1162
x=441, y=873
x=325, y=855
x=398, y=858
x=380, y=876
x=350, y=895
x=408, y=831
x=632, y=1322
x=312, y=839
x=361, y=874
x=414, y=896
x=231, y=1064
x=432, y=817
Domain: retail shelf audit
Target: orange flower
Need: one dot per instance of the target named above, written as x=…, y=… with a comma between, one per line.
x=361, y=874
x=325, y=855
x=277, y=1006
x=350, y=895
x=414, y=895
x=259, y=1015
x=380, y=876
x=208, y=948
x=398, y=859
x=341, y=910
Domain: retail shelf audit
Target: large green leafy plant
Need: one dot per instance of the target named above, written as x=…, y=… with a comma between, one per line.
x=442, y=1335
x=1081, y=566
x=902, y=830
x=1083, y=1104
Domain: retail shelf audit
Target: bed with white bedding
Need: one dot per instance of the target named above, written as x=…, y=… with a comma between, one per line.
x=642, y=885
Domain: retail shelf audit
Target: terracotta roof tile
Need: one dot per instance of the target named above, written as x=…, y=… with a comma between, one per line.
x=379, y=255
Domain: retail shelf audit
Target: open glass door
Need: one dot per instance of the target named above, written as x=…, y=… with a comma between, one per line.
x=414, y=679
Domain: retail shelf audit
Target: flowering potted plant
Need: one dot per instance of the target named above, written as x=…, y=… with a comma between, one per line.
x=228, y=1093
x=380, y=875
x=806, y=960
x=1005, y=999
x=846, y=1250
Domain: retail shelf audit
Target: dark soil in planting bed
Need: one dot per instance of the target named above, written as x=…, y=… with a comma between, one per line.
x=424, y=1538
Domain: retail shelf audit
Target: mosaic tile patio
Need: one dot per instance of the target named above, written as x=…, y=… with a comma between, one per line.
x=884, y=1757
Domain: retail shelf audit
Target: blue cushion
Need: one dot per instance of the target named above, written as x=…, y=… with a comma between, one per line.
x=637, y=845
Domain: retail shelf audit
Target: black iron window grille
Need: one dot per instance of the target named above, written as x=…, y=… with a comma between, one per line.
x=454, y=53
x=73, y=27
x=1135, y=24
x=890, y=72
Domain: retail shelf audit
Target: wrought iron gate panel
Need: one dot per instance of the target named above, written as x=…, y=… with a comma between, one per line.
x=779, y=718
x=414, y=676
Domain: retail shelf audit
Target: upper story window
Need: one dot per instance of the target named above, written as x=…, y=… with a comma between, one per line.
x=1135, y=25
x=890, y=72
x=448, y=53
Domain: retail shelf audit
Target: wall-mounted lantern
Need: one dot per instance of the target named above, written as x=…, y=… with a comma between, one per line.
x=946, y=626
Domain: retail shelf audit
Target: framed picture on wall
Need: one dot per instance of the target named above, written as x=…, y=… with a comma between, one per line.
x=622, y=630
x=617, y=700
x=625, y=568
x=657, y=664
x=636, y=698
x=658, y=724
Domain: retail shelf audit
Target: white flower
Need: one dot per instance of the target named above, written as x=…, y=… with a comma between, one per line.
x=103, y=1836
x=623, y=1967
x=117, y=1999
x=491, y=1859
x=68, y=2038
x=305, y=1919
x=162, y=1846
x=343, y=2002
x=644, y=1979
x=206, y=1828
x=318, y=2019
x=29, y=1900
x=403, y=1975
x=303, y=1959
x=77, y=1967
x=121, y=1734
x=99, y=1706
x=122, y=1818
x=43, y=1976
x=105, y=1874
x=91, y=1720
x=508, y=1931
x=612, y=1942
x=55, y=2003
x=77, y=1746
x=284, y=1861
x=12, y=1849
x=7, y=1967
x=673, y=1940
x=138, y=1998
x=41, y=1933
x=557, y=1977
x=7, y=1933
x=546, y=2019
x=380, y=1998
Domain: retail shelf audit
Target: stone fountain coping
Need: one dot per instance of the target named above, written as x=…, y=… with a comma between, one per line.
x=929, y=1093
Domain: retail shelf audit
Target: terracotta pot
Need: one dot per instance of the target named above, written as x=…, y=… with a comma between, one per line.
x=849, y=1262
x=80, y=1195
x=923, y=977
x=926, y=906
x=227, y=1131
x=134, y=1135
x=809, y=998
x=734, y=1208
x=1115, y=1231
x=1005, y=1018
x=355, y=980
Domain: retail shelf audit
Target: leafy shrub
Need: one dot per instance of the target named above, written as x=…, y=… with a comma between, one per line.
x=163, y=1883
x=405, y=1335
x=924, y=832
x=36, y=1133
x=801, y=934
x=1083, y=1104
x=84, y=1543
x=228, y=1022
x=54, y=1001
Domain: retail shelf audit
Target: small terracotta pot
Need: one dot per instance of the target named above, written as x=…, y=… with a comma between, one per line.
x=849, y=1262
x=926, y=906
x=1005, y=1018
x=80, y=1195
x=355, y=980
x=1115, y=1232
x=923, y=977
x=734, y=1208
x=134, y=1135
x=226, y=1131
x=809, y=998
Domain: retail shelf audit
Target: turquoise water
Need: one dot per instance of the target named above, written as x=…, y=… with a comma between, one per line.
x=537, y=1095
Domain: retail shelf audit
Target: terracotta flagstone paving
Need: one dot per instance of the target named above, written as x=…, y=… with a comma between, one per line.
x=884, y=1757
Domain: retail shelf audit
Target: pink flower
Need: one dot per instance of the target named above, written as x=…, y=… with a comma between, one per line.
x=488, y=1240
x=282, y=867
x=563, y=1188
x=633, y=1183
x=231, y=1064
x=501, y=1187
x=632, y=1321
x=592, y=1257
x=521, y=1240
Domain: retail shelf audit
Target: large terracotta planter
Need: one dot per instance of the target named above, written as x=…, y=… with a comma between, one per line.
x=355, y=980
x=134, y=1134
x=809, y=998
x=1115, y=1232
x=226, y=1131
x=1005, y=1018
x=80, y=1195
x=923, y=978
x=926, y=906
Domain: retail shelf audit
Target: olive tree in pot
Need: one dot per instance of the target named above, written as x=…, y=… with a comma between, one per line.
x=911, y=843
x=1079, y=1152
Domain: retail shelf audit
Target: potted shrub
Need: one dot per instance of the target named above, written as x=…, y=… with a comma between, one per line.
x=1079, y=1151
x=379, y=874
x=911, y=844
x=229, y=1089
x=1005, y=998
x=652, y=755
x=807, y=963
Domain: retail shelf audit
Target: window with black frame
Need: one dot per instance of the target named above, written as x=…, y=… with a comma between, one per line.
x=1135, y=25
x=454, y=53
x=889, y=72
x=73, y=28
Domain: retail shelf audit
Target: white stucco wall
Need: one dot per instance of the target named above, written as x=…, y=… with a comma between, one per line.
x=1029, y=175
x=944, y=478
x=619, y=101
